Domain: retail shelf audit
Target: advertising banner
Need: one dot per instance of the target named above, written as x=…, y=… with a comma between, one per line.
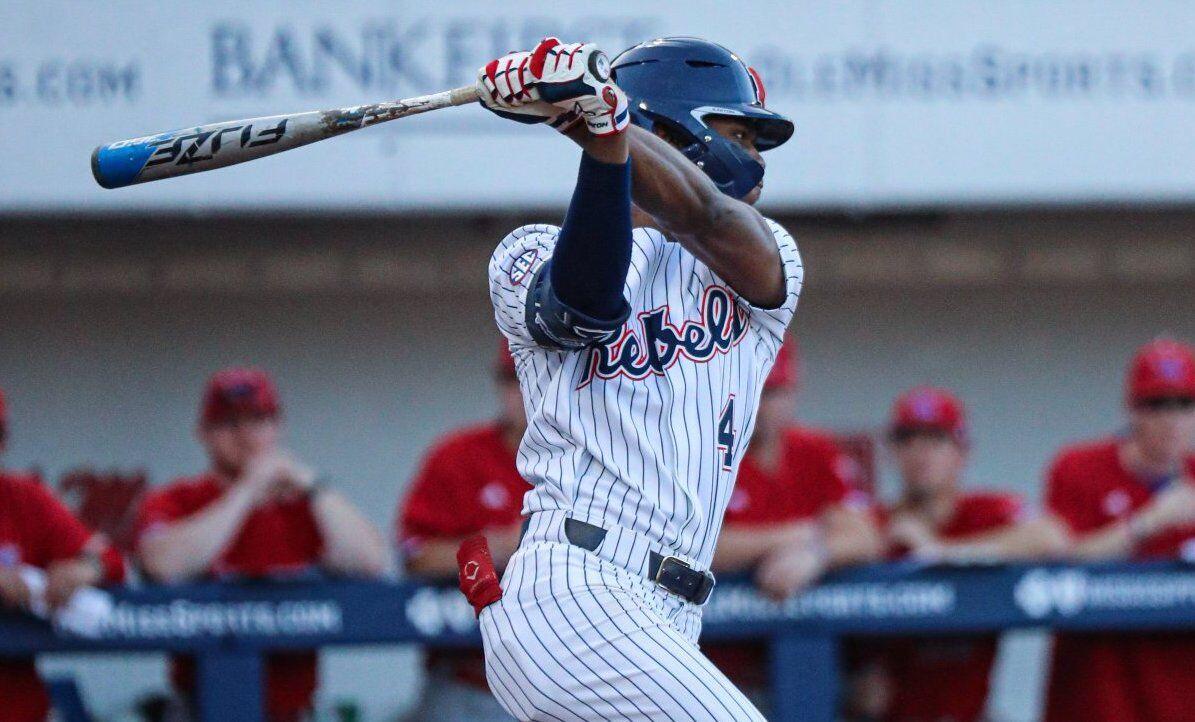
x=929, y=103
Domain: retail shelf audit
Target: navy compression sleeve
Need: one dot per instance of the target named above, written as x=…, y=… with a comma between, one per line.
x=593, y=253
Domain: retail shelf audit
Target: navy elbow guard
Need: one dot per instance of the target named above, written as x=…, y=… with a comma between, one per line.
x=554, y=324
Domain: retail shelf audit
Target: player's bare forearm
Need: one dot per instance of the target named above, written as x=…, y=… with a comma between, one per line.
x=352, y=545
x=1114, y=541
x=185, y=549
x=1171, y=508
x=850, y=537
x=729, y=236
x=1043, y=538
x=607, y=148
x=743, y=546
x=14, y=592
x=65, y=577
x=1117, y=540
x=437, y=557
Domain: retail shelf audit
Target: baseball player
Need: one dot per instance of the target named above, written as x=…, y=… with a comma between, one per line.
x=1131, y=496
x=795, y=513
x=468, y=484
x=36, y=530
x=944, y=678
x=642, y=329
x=256, y=513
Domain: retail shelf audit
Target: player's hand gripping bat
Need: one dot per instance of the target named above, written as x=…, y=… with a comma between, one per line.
x=204, y=147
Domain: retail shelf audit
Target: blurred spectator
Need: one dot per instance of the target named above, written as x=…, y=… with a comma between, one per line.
x=257, y=512
x=793, y=515
x=105, y=501
x=36, y=530
x=1131, y=496
x=468, y=484
x=934, y=520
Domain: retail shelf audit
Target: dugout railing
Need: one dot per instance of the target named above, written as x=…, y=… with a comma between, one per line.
x=228, y=627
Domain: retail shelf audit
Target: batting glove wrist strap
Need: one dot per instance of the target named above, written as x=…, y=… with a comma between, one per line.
x=576, y=77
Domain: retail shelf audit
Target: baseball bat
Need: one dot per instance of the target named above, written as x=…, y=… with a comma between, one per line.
x=205, y=147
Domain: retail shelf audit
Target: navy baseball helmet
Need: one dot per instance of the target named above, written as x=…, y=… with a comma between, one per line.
x=678, y=82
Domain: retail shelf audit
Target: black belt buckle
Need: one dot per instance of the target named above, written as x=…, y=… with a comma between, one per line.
x=677, y=576
x=670, y=573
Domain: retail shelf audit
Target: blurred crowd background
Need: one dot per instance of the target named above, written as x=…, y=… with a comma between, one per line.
x=993, y=199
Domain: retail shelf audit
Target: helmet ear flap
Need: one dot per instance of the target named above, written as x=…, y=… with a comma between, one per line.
x=730, y=167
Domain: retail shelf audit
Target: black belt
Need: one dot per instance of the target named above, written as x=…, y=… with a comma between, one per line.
x=673, y=574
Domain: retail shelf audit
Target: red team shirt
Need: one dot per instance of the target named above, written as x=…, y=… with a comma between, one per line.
x=36, y=530
x=945, y=679
x=1112, y=677
x=468, y=483
x=278, y=539
x=812, y=475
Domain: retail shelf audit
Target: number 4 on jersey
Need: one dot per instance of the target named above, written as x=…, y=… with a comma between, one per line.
x=726, y=434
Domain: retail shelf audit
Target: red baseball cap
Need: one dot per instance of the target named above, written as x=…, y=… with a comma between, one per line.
x=504, y=363
x=1161, y=369
x=237, y=392
x=928, y=408
x=786, y=370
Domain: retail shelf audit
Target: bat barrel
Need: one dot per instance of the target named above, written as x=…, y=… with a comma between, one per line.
x=206, y=147
x=117, y=167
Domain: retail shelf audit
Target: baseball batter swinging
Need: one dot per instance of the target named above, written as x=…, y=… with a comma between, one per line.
x=643, y=329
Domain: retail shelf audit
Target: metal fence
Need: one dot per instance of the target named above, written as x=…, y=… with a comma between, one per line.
x=228, y=627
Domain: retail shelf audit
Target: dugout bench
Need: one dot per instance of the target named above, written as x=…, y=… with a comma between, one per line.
x=228, y=627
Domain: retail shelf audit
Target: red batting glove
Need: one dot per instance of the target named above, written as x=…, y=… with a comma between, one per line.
x=477, y=577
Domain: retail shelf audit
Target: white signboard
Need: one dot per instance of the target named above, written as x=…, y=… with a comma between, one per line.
x=925, y=103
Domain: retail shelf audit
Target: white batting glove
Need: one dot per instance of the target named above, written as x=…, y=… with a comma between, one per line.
x=574, y=77
x=505, y=86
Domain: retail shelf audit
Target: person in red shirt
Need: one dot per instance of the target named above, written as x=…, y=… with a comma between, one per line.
x=468, y=484
x=257, y=512
x=943, y=679
x=794, y=514
x=36, y=530
x=1131, y=497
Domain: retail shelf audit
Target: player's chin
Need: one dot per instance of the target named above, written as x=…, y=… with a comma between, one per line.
x=753, y=195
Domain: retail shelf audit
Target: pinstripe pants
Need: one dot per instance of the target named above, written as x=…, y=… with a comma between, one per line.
x=576, y=637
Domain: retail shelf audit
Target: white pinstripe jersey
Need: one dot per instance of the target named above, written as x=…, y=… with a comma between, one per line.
x=647, y=430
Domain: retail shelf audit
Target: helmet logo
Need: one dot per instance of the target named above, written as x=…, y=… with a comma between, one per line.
x=700, y=113
x=761, y=94
x=1170, y=369
x=925, y=407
